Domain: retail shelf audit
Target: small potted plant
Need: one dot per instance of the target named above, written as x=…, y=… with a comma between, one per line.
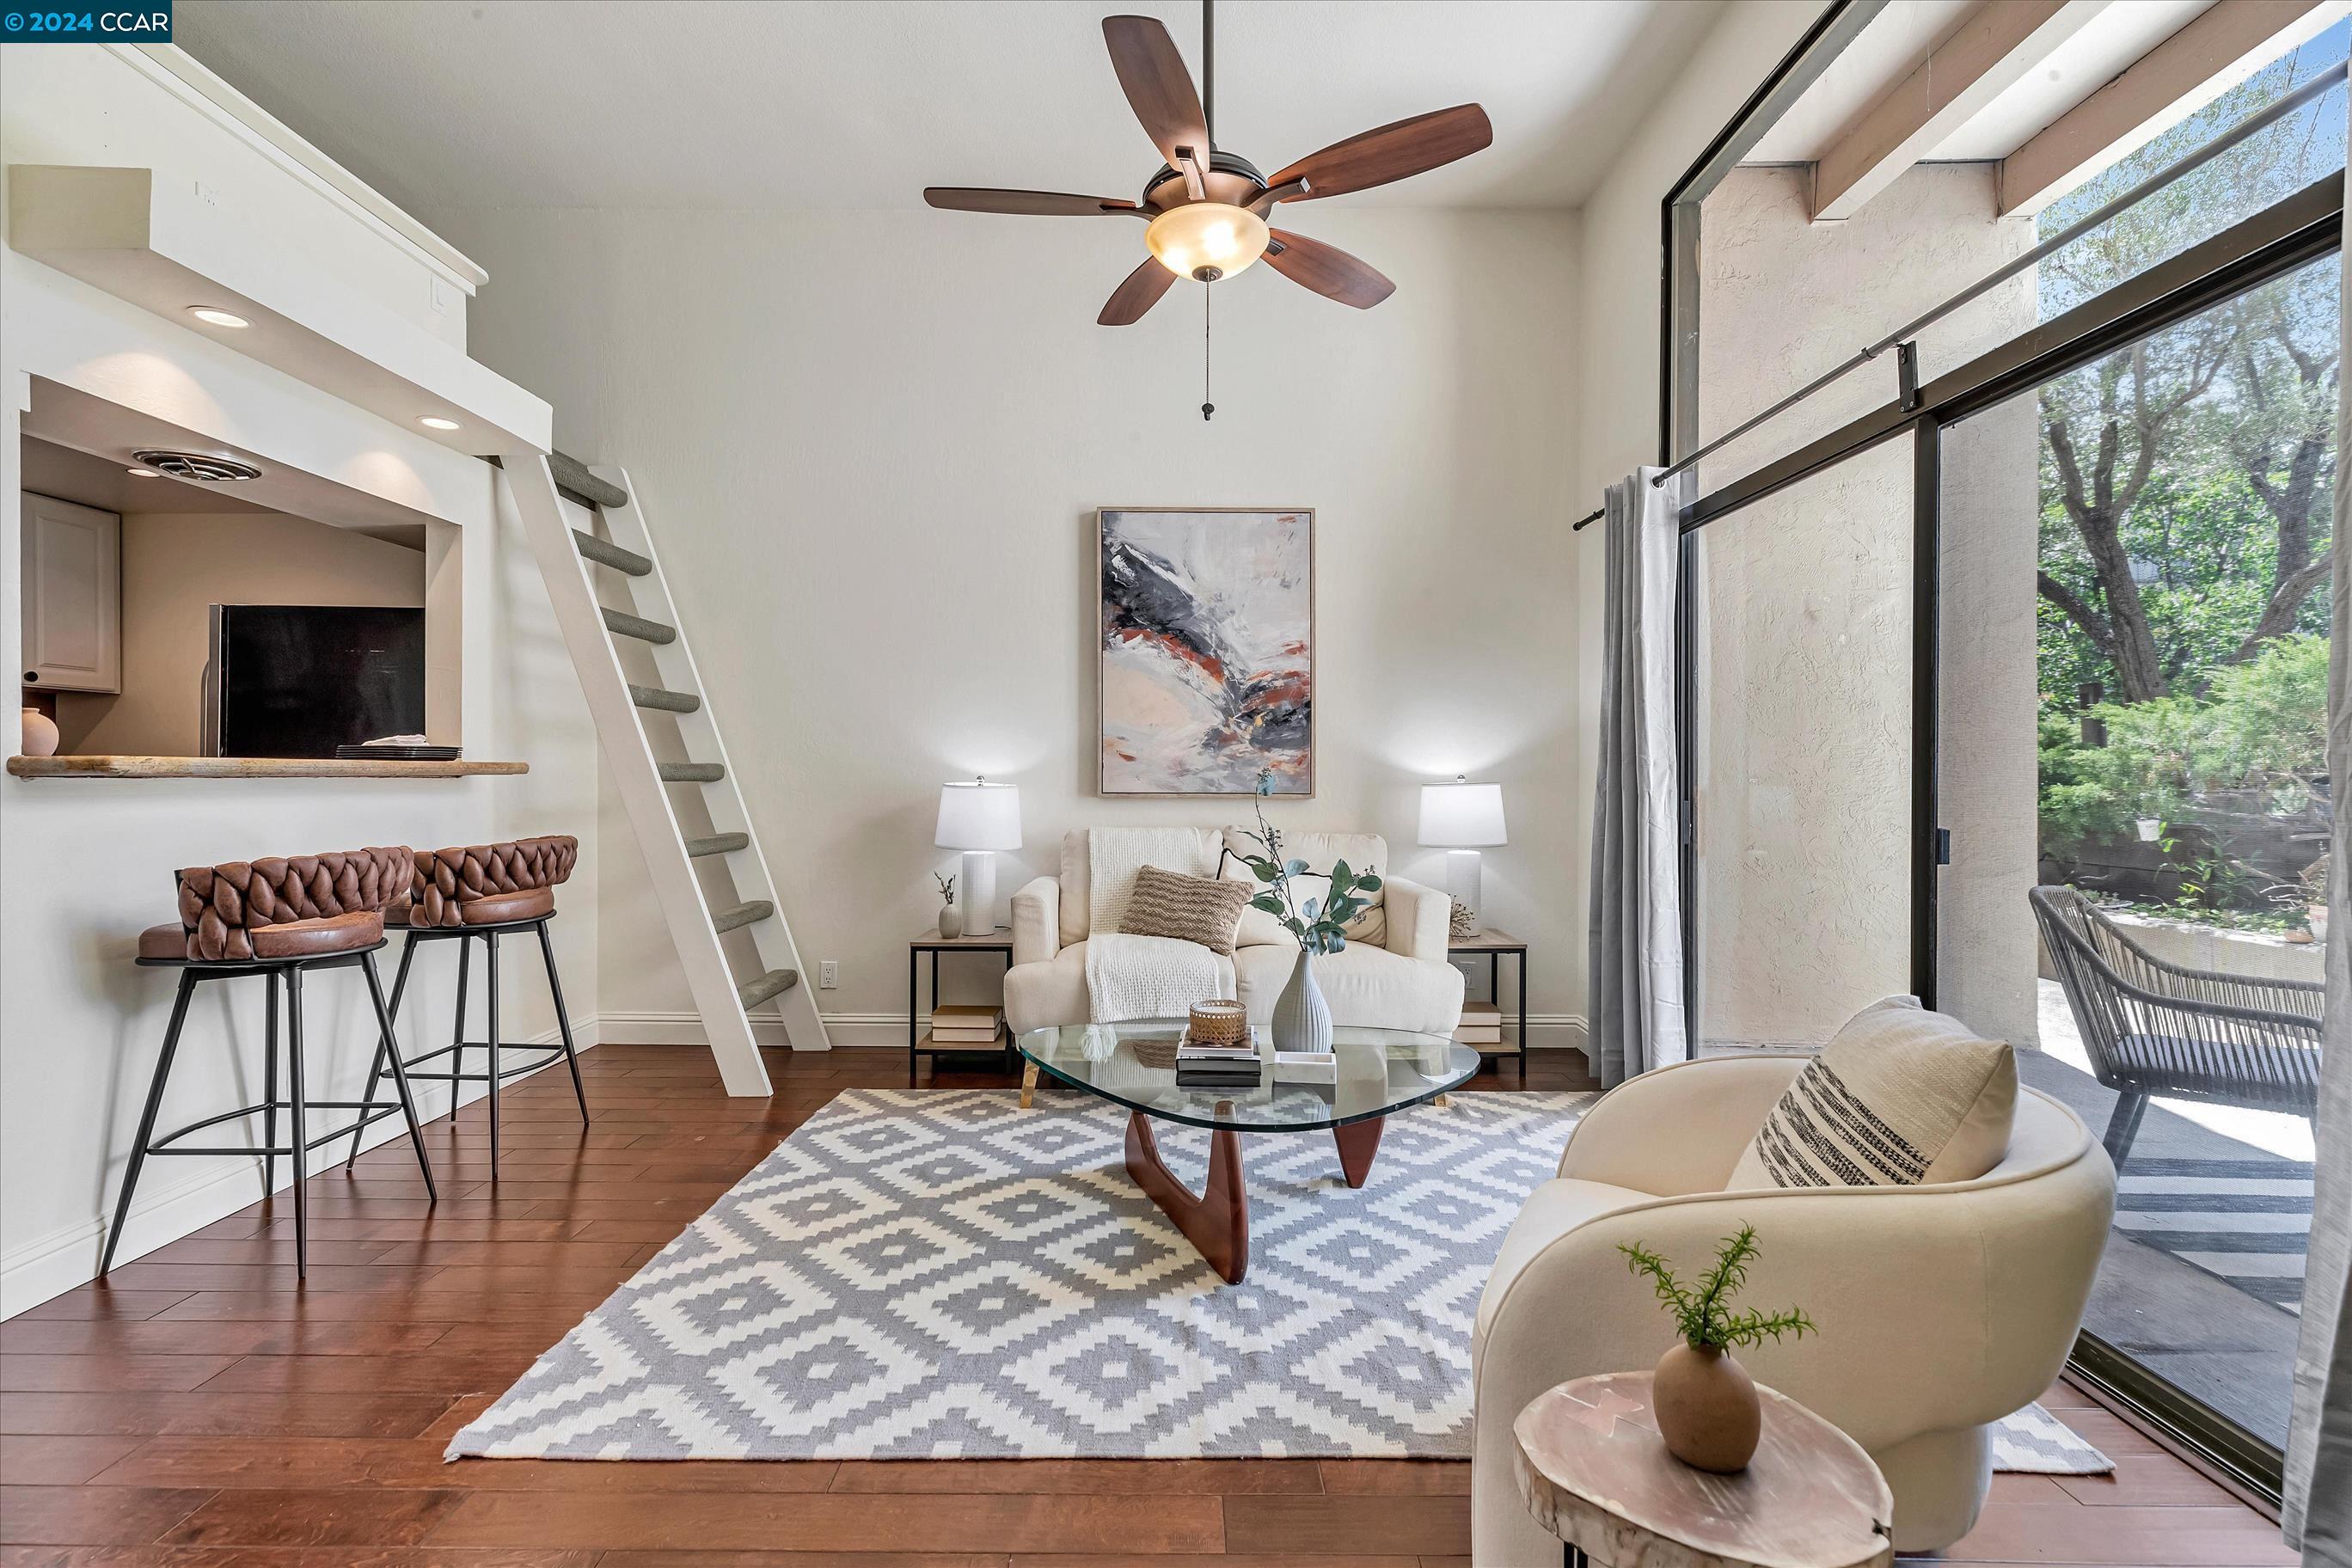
x=1302, y=1019
x=1704, y=1399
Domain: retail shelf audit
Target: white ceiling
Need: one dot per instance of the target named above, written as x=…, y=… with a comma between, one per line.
x=1898, y=40
x=861, y=103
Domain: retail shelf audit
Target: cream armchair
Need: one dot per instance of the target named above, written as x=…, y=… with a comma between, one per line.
x=1941, y=1307
x=1400, y=980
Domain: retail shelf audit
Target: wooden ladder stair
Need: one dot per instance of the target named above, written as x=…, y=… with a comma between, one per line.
x=551, y=492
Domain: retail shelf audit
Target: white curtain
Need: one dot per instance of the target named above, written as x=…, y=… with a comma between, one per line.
x=1636, y=939
x=2318, y=1512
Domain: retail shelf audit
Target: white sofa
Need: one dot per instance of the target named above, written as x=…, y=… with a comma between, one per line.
x=1401, y=980
x=1941, y=1307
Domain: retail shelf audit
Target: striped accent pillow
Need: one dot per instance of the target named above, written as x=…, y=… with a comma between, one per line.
x=1190, y=908
x=1899, y=1096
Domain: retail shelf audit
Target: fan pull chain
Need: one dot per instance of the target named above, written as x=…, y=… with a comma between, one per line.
x=1207, y=407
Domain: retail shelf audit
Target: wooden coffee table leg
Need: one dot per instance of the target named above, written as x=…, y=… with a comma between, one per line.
x=1028, y=1084
x=1359, y=1141
x=1217, y=1221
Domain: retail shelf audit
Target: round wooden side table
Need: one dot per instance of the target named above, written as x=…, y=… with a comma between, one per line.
x=1593, y=1470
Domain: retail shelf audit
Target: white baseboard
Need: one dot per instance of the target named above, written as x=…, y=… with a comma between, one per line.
x=1546, y=1031
x=51, y=1265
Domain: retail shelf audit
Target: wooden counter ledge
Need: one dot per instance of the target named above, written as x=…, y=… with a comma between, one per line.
x=127, y=767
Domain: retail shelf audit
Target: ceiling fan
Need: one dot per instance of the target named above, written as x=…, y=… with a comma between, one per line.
x=1207, y=207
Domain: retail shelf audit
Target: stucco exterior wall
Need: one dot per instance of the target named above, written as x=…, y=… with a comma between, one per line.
x=1803, y=652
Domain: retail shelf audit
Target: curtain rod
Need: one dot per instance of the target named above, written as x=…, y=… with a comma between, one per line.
x=2260, y=119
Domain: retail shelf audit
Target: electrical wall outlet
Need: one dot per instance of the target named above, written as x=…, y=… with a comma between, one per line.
x=828, y=974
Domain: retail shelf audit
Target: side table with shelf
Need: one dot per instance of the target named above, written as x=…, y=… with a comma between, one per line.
x=1492, y=945
x=1592, y=1469
x=919, y=1044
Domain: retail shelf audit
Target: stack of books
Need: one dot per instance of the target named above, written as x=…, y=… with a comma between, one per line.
x=965, y=1025
x=1481, y=1027
x=1199, y=1065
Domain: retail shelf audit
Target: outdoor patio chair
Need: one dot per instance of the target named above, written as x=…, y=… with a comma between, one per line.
x=2157, y=1028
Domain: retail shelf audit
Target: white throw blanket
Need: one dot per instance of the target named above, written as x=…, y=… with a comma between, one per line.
x=1151, y=976
x=1146, y=976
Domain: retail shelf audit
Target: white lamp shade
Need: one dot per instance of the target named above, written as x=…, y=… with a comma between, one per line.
x=1461, y=816
x=977, y=815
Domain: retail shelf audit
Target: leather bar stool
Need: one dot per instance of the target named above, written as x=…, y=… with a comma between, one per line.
x=281, y=920
x=482, y=892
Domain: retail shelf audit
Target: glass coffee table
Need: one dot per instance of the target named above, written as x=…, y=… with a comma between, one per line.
x=1381, y=1071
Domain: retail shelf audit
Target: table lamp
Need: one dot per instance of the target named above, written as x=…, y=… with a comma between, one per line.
x=1456, y=817
x=978, y=818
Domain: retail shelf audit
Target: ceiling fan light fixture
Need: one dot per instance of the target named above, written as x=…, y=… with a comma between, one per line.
x=1207, y=240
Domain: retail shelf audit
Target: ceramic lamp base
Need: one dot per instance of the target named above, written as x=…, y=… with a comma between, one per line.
x=1462, y=871
x=978, y=895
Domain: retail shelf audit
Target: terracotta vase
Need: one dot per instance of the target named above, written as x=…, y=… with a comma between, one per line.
x=40, y=733
x=1707, y=1408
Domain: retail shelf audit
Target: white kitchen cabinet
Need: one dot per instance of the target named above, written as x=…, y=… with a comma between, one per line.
x=73, y=597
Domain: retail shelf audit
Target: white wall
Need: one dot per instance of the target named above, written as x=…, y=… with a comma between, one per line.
x=85, y=865
x=175, y=567
x=871, y=445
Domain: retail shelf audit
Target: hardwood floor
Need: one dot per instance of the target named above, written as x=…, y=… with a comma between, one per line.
x=199, y=1412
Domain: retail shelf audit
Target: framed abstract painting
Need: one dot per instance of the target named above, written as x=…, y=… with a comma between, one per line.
x=1208, y=649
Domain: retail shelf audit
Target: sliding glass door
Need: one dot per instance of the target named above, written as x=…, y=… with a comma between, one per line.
x=2132, y=664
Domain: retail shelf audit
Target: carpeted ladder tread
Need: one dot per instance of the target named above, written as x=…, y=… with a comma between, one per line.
x=718, y=843
x=742, y=915
x=604, y=552
x=773, y=983
x=692, y=773
x=668, y=701
x=628, y=626
x=573, y=478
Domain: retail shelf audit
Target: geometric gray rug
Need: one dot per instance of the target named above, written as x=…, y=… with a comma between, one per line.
x=2037, y=1443
x=939, y=1274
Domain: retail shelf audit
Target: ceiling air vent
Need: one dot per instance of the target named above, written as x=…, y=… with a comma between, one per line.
x=207, y=467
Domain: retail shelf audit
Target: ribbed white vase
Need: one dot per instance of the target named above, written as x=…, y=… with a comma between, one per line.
x=1302, y=1019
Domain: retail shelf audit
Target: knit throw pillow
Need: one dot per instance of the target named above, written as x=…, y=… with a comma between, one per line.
x=1191, y=909
x=1899, y=1096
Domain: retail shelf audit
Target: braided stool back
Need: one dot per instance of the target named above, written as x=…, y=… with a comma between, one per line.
x=221, y=906
x=447, y=879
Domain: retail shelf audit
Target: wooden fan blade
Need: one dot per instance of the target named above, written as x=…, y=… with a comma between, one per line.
x=1392, y=152
x=1042, y=204
x=1137, y=294
x=1158, y=87
x=1328, y=270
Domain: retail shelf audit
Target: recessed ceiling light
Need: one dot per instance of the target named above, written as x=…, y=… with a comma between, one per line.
x=435, y=422
x=213, y=315
x=142, y=473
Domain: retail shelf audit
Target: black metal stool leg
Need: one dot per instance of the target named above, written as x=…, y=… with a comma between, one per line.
x=147, y=1118
x=301, y=1139
x=269, y=1086
x=490, y=940
x=562, y=1020
x=384, y=1042
x=390, y=1047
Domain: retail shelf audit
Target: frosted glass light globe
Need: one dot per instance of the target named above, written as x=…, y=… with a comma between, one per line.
x=1206, y=240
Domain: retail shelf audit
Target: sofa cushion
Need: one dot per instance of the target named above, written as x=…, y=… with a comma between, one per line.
x=1551, y=1211
x=1321, y=851
x=1367, y=987
x=1204, y=910
x=1900, y=1096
